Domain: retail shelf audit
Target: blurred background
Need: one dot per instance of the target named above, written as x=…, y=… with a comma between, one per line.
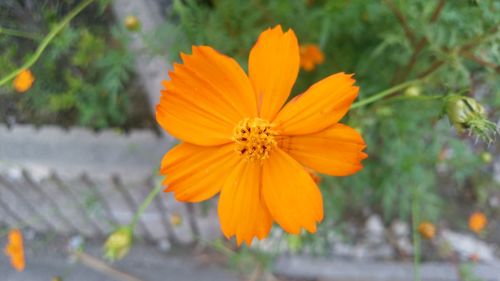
x=80, y=148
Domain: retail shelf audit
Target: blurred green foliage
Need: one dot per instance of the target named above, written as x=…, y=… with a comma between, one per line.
x=453, y=44
x=82, y=78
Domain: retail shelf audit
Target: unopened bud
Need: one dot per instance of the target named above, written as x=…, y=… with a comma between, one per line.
x=176, y=219
x=118, y=244
x=465, y=113
x=486, y=157
x=412, y=91
x=132, y=23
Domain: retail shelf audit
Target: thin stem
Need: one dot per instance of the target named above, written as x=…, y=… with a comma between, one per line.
x=46, y=41
x=402, y=20
x=420, y=45
x=480, y=61
x=433, y=67
x=470, y=45
x=18, y=33
x=412, y=98
x=384, y=93
x=437, y=11
x=145, y=204
x=416, y=237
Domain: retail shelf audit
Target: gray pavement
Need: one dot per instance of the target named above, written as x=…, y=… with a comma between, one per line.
x=45, y=260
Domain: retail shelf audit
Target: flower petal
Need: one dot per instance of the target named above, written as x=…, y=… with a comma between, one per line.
x=290, y=194
x=336, y=151
x=205, y=98
x=242, y=211
x=196, y=173
x=321, y=106
x=273, y=68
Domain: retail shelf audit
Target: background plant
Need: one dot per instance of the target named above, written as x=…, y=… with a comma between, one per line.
x=84, y=75
x=449, y=47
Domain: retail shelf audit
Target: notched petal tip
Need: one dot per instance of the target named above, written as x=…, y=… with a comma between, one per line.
x=363, y=155
x=276, y=28
x=184, y=58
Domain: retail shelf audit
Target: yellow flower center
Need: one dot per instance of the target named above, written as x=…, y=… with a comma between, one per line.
x=254, y=138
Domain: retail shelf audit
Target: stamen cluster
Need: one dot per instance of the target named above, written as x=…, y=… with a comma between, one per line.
x=254, y=138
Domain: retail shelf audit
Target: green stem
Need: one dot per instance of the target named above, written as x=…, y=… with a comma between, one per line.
x=384, y=93
x=46, y=41
x=145, y=204
x=18, y=33
x=412, y=98
x=416, y=237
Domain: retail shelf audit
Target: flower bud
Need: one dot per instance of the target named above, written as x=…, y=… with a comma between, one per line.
x=412, y=91
x=176, y=219
x=132, y=23
x=466, y=113
x=118, y=243
x=486, y=157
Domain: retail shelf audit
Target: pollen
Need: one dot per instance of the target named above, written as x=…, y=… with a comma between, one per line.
x=254, y=138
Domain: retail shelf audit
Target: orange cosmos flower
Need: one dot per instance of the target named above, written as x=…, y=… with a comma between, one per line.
x=15, y=249
x=238, y=138
x=23, y=81
x=477, y=222
x=310, y=56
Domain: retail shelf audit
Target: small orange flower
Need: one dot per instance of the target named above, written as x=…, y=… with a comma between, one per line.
x=427, y=230
x=240, y=139
x=15, y=249
x=310, y=56
x=477, y=222
x=23, y=81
